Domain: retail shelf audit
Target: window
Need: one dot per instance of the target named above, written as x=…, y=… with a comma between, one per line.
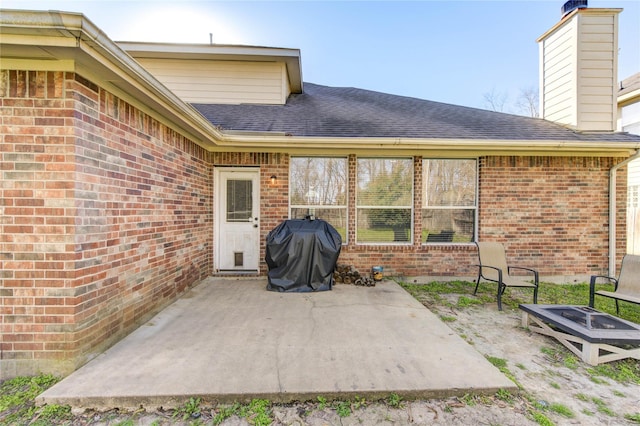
x=449, y=201
x=318, y=187
x=239, y=200
x=384, y=200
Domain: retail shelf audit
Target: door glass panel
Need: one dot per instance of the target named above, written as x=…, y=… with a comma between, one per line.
x=239, y=200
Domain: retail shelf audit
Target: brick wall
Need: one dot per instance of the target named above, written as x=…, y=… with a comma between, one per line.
x=106, y=218
x=551, y=212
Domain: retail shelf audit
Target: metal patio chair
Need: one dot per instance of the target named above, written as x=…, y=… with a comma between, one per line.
x=626, y=286
x=493, y=267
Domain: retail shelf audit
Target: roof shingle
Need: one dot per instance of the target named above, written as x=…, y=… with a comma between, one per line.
x=323, y=111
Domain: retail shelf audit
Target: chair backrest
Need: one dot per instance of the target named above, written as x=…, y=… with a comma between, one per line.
x=492, y=254
x=629, y=279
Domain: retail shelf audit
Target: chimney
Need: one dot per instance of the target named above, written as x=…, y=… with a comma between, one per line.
x=579, y=68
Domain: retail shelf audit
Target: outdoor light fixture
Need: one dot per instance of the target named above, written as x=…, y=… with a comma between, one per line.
x=274, y=179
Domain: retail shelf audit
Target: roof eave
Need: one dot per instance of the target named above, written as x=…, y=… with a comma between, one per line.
x=71, y=37
x=421, y=146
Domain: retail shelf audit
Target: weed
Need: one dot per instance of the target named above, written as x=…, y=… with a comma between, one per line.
x=504, y=395
x=258, y=412
x=394, y=400
x=468, y=399
x=343, y=408
x=17, y=398
x=226, y=412
x=571, y=362
x=541, y=419
x=619, y=394
x=501, y=364
x=626, y=371
x=633, y=417
x=464, y=302
x=52, y=414
x=561, y=409
x=554, y=385
x=358, y=403
x=447, y=318
x=602, y=407
x=128, y=422
x=598, y=380
x=582, y=397
x=521, y=366
x=588, y=412
x=322, y=402
x=190, y=409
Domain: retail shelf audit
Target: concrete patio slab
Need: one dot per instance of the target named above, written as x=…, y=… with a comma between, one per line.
x=232, y=340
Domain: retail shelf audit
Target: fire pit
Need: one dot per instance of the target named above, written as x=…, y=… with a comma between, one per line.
x=595, y=336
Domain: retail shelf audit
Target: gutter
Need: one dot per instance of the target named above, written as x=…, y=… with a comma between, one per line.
x=612, y=211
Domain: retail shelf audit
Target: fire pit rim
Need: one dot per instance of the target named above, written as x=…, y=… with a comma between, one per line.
x=609, y=336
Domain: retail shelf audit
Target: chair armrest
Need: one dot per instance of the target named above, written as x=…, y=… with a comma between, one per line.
x=592, y=286
x=533, y=271
x=491, y=267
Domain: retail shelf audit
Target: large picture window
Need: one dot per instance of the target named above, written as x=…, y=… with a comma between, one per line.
x=318, y=188
x=384, y=200
x=449, y=200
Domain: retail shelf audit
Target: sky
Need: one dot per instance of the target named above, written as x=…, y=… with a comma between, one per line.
x=447, y=51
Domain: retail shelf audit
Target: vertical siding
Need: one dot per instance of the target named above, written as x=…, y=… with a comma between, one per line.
x=226, y=82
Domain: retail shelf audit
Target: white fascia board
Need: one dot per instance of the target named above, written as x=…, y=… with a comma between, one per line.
x=395, y=146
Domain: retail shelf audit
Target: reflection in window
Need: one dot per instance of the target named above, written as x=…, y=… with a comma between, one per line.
x=239, y=200
x=449, y=201
x=318, y=188
x=384, y=200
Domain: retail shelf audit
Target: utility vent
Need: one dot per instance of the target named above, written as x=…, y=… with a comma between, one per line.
x=572, y=5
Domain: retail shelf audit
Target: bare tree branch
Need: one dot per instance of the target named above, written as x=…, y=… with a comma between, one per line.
x=495, y=101
x=527, y=102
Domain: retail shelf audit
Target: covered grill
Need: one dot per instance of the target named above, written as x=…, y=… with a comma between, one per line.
x=301, y=255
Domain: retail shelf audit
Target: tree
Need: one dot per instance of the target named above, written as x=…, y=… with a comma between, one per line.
x=495, y=100
x=525, y=104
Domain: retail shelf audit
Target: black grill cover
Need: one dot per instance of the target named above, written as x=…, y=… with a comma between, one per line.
x=302, y=255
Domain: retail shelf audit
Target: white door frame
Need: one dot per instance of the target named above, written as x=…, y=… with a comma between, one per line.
x=243, y=237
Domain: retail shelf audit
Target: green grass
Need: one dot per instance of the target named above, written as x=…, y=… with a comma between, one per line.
x=17, y=402
x=548, y=293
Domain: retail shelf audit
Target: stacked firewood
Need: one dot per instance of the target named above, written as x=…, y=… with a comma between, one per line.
x=348, y=274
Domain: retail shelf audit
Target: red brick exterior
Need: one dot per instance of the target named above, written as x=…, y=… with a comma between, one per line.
x=551, y=213
x=107, y=217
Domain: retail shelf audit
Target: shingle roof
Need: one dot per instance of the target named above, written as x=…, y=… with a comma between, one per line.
x=323, y=111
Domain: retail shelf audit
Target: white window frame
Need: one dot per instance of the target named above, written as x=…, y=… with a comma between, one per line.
x=410, y=207
x=425, y=198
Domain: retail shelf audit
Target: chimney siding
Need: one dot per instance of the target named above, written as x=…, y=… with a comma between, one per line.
x=579, y=70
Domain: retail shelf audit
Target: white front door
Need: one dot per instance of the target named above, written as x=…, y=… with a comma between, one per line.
x=238, y=228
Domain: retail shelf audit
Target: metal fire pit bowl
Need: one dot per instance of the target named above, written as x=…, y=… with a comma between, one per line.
x=596, y=336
